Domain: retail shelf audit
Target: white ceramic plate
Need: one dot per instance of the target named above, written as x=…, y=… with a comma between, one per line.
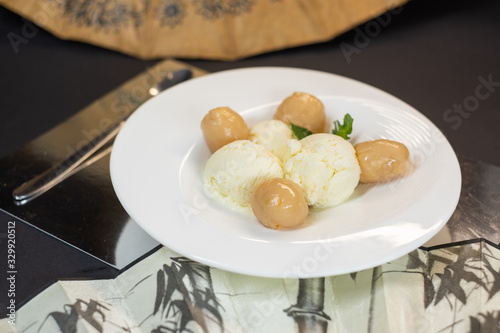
x=158, y=158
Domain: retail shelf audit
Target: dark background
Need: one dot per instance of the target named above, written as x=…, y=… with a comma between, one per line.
x=430, y=55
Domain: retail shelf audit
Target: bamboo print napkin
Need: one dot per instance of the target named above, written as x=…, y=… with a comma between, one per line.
x=452, y=289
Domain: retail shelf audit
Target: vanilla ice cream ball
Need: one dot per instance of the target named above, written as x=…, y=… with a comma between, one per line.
x=273, y=135
x=232, y=173
x=324, y=166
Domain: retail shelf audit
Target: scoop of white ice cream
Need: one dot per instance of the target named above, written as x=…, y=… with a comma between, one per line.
x=273, y=135
x=325, y=167
x=232, y=173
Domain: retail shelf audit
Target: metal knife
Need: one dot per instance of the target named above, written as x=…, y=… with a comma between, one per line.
x=62, y=170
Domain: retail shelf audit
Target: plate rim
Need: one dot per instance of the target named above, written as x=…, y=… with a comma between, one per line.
x=221, y=265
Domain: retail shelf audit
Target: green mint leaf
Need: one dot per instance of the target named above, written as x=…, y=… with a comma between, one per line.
x=345, y=129
x=299, y=132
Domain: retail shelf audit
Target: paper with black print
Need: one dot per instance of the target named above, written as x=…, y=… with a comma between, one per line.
x=452, y=289
x=209, y=29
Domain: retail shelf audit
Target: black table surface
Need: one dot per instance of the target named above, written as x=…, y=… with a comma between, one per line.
x=441, y=57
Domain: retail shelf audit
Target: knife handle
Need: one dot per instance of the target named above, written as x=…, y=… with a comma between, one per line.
x=54, y=175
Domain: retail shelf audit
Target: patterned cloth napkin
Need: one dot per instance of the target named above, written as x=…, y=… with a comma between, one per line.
x=211, y=29
x=451, y=289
